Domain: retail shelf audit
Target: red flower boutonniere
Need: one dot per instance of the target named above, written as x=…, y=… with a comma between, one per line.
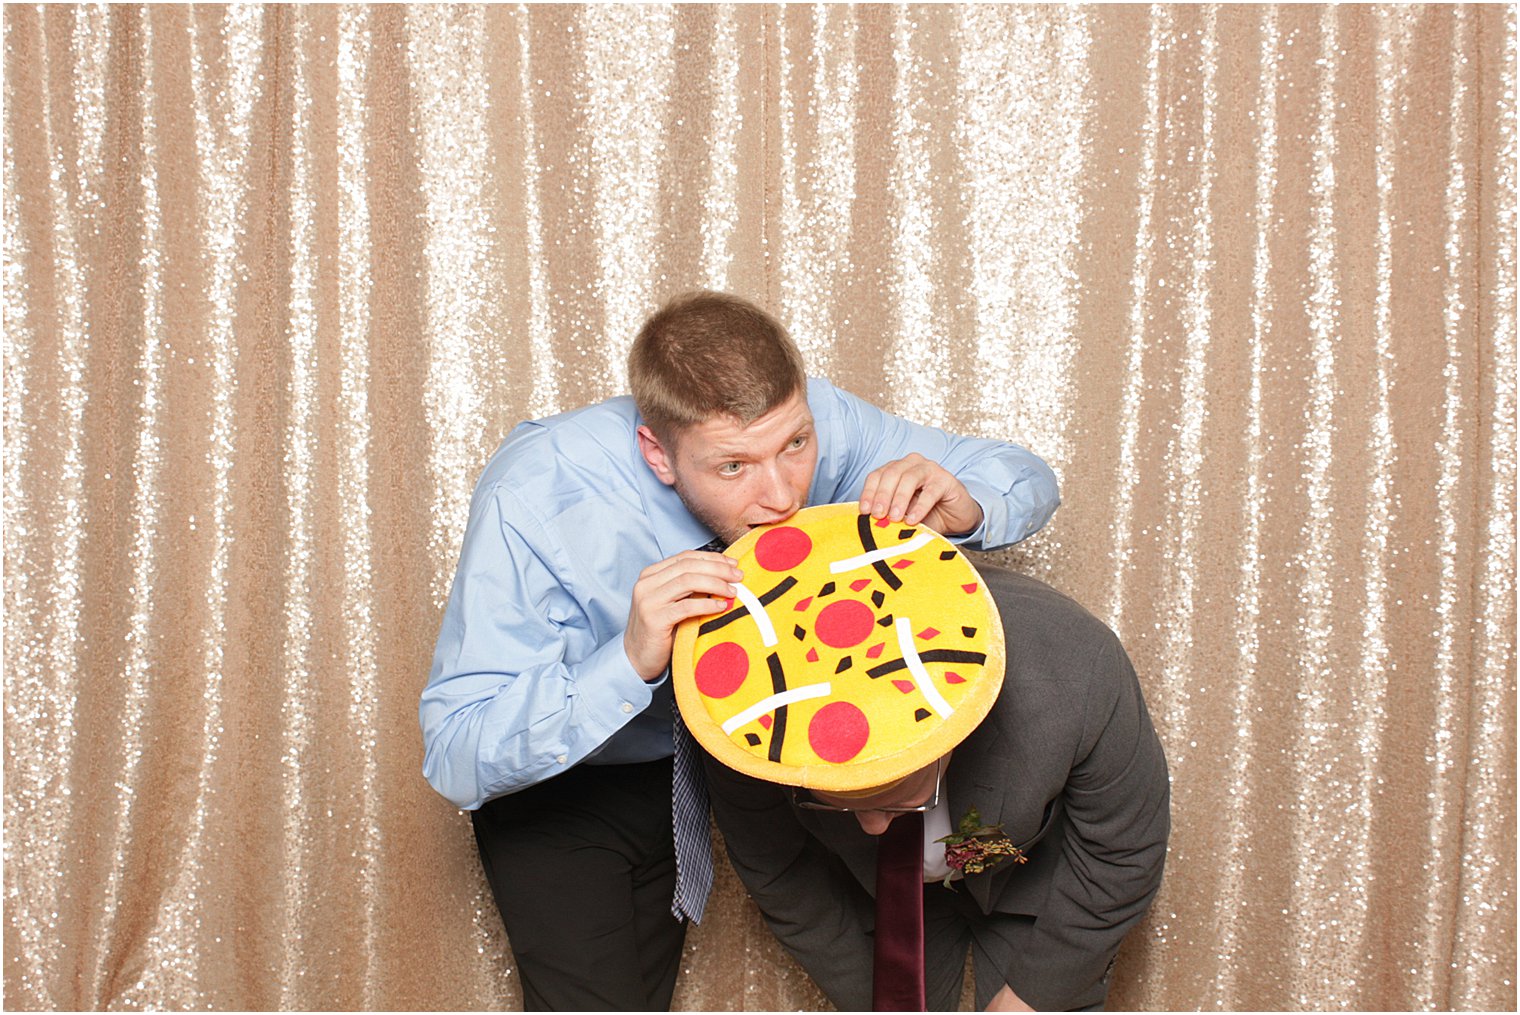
x=978, y=847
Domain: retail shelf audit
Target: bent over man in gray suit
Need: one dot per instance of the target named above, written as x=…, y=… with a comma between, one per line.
x=1066, y=762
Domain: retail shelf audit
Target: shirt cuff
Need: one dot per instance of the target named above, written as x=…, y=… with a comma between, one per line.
x=610, y=690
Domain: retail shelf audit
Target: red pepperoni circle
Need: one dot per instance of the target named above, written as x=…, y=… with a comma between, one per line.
x=782, y=549
x=722, y=669
x=844, y=623
x=838, y=731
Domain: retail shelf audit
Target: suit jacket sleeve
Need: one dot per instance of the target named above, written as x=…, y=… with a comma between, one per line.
x=815, y=907
x=1117, y=812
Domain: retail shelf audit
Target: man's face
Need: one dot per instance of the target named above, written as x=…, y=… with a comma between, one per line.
x=732, y=477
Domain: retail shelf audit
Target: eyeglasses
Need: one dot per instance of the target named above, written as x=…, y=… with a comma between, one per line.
x=805, y=799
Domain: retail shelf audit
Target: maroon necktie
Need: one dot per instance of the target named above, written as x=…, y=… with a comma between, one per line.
x=898, y=977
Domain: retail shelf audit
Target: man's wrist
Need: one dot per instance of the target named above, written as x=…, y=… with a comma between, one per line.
x=978, y=532
x=975, y=524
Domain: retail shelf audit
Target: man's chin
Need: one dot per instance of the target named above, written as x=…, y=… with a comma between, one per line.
x=729, y=538
x=738, y=532
x=752, y=526
x=729, y=534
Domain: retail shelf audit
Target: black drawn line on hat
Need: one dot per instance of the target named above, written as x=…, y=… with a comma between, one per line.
x=743, y=611
x=868, y=542
x=938, y=655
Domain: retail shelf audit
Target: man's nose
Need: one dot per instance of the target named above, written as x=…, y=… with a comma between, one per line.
x=775, y=492
x=874, y=822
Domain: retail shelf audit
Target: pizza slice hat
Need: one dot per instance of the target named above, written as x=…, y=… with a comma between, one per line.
x=855, y=652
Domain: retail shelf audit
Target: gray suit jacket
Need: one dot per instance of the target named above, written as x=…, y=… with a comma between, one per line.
x=1067, y=762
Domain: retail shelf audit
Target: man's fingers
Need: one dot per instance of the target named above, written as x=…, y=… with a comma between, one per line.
x=905, y=490
x=686, y=558
x=880, y=485
x=927, y=497
x=868, y=493
x=668, y=592
x=918, y=491
x=677, y=592
x=702, y=577
x=908, y=486
x=697, y=606
x=881, y=488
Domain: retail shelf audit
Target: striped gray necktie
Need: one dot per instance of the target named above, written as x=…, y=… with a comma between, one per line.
x=688, y=812
x=688, y=815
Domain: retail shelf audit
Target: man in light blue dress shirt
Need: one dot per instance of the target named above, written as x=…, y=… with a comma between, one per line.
x=547, y=712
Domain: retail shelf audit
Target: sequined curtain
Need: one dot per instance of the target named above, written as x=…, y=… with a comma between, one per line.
x=278, y=279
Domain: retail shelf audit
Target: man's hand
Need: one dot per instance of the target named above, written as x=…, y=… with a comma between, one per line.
x=689, y=584
x=914, y=489
x=1007, y=1000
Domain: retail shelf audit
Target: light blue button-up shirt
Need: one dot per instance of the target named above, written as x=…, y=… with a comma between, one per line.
x=529, y=675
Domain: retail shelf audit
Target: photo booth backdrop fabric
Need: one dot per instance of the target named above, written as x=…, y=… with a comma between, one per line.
x=277, y=280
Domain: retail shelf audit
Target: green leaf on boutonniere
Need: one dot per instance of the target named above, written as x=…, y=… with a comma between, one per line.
x=978, y=847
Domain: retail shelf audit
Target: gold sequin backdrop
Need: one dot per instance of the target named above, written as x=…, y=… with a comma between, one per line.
x=277, y=280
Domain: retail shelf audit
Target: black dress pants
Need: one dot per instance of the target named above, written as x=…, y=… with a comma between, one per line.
x=583, y=868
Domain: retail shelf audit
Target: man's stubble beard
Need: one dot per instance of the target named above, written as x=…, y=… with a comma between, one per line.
x=712, y=525
x=708, y=521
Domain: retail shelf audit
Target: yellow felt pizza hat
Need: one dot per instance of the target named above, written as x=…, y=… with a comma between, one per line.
x=855, y=652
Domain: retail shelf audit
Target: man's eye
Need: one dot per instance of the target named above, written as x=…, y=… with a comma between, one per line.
x=728, y=469
x=797, y=443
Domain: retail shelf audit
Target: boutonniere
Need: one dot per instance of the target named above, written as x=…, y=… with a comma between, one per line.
x=977, y=847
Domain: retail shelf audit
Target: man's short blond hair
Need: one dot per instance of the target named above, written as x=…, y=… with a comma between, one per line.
x=707, y=354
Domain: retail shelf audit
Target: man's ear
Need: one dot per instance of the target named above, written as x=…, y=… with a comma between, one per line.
x=660, y=459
